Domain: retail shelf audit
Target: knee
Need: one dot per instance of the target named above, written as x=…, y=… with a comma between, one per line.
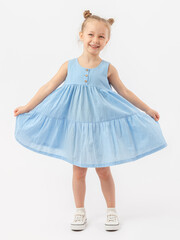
x=103, y=172
x=79, y=172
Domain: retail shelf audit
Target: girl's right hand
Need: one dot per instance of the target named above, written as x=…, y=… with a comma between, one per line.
x=20, y=110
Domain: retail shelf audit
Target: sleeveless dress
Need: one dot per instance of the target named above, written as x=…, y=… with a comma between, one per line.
x=85, y=123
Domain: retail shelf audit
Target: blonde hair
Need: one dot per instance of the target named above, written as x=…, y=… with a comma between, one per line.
x=89, y=16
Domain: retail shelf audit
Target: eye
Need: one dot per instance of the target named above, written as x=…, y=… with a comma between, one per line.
x=92, y=34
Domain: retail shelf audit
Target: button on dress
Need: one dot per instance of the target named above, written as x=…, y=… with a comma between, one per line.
x=87, y=124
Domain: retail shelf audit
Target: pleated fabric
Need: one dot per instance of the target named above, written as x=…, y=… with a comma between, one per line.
x=87, y=124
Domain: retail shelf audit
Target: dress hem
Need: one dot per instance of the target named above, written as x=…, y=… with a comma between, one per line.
x=97, y=165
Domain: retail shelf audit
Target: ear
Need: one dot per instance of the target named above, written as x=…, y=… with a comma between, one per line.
x=81, y=35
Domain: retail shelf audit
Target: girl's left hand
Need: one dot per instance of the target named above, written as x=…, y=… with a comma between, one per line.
x=153, y=114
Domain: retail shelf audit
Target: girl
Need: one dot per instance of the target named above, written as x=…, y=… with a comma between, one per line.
x=86, y=123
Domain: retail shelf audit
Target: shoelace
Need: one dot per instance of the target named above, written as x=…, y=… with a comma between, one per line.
x=112, y=217
x=78, y=217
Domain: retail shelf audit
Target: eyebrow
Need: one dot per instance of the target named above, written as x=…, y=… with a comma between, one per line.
x=100, y=33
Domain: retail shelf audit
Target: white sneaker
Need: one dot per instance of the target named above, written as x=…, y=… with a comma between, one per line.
x=80, y=221
x=112, y=221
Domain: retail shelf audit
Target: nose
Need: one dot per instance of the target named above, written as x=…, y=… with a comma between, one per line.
x=95, y=40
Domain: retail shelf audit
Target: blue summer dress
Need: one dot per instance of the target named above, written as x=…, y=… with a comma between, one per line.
x=85, y=123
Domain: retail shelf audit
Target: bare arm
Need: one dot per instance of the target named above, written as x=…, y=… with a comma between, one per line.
x=47, y=88
x=115, y=81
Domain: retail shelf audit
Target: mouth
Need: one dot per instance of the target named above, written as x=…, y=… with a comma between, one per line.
x=93, y=46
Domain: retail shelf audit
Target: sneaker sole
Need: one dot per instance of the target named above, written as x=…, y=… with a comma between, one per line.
x=112, y=227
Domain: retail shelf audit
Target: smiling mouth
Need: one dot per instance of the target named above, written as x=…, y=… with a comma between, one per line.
x=94, y=47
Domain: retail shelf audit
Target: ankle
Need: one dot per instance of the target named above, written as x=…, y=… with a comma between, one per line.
x=113, y=209
x=80, y=209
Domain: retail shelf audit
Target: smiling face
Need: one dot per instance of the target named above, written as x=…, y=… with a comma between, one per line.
x=94, y=37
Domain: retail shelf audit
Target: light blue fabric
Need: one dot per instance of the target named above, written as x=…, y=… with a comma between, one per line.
x=87, y=124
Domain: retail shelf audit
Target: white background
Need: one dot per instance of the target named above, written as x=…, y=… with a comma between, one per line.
x=36, y=198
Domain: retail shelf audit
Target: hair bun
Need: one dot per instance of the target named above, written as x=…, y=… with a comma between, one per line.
x=87, y=14
x=111, y=20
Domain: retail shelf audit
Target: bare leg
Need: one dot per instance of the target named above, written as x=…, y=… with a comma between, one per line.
x=107, y=185
x=79, y=185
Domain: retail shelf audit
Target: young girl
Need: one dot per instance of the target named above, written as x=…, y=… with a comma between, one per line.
x=86, y=123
